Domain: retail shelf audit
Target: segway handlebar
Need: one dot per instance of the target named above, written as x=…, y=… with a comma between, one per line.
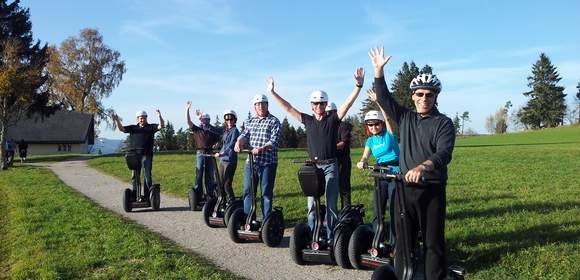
x=207, y=154
x=382, y=172
x=310, y=161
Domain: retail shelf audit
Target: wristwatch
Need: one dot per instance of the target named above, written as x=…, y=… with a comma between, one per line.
x=426, y=167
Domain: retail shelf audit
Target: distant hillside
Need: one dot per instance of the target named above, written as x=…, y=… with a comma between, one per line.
x=106, y=146
x=564, y=134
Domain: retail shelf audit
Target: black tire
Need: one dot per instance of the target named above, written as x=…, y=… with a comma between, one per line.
x=231, y=208
x=127, y=198
x=341, y=247
x=155, y=198
x=273, y=229
x=235, y=222
x=208, y=211
x=191, y=202
x=195, y=199
x=298, y=241
x=360, y=241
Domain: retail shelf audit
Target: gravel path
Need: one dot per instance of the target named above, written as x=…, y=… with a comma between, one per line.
x=174, y=221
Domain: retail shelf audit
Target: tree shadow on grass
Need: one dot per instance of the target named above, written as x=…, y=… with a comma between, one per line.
x=512, y=242
x=540, y=207
x=480, y=198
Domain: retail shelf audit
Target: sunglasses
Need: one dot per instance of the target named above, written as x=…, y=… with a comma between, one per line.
x=318, y=103
x=377, y=124
x=427, y=95
x=229, y=119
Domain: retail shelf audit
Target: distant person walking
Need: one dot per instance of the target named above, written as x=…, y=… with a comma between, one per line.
x=23, y=150
x=10, y=149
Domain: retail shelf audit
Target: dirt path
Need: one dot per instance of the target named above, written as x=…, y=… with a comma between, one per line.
x=186, y=228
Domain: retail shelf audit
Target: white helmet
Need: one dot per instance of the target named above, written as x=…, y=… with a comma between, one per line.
x=141, y=113
x=374, y=115
x=318, y=96
x=205, y=116
x=331, y=107
x=259, y=98
x=230, y=112
x=426, y=81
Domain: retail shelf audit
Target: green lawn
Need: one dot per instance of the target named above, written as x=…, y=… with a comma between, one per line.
x=48, y=231
x=513, y=201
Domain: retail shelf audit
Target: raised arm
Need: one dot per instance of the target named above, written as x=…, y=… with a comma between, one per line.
x=161, y=122
x=187, y=116
x=359, y=77
x=363, y=162
x=283, y=103
x=373, y=97
x=384, y=98
x=118, y=123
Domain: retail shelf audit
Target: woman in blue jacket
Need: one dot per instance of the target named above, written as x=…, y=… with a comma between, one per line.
x=227, y=155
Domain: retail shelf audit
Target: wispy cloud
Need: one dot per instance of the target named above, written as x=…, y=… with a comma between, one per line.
x=197, y=16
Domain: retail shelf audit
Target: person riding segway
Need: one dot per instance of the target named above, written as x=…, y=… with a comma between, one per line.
x=206, y=137
x=217, y=211
x=262, y=134
x=140, y=156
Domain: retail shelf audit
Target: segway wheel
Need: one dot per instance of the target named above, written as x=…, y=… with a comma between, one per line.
x=155, y=198
x=127, y=198
x=231, y=208
x=298, y=241
x=208, y=210
x=360, y=241
x=341, y=247
x=273, y=229
x=235, y=223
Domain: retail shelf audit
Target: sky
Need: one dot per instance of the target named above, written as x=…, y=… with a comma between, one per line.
x=218, y=54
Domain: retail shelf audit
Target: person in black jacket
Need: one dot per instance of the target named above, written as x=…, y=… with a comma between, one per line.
x=343, y=157
x=427, y=138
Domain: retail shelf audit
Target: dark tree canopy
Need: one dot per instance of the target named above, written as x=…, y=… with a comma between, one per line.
x=546, y=106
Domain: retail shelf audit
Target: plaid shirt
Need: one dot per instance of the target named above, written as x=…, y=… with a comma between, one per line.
x=261, y=132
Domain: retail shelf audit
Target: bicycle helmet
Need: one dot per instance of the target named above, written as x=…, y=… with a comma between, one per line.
x=374, y=115
x=259, y=98
x=331, y=107
x=426, y=81
x=230, y=112
x=141, y=113
x=318, y=96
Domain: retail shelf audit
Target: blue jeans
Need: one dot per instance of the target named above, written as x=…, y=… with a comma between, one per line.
x=387, y=193
x=330, y=196
x=204, y=169
x=147, y=165
x=266, y=175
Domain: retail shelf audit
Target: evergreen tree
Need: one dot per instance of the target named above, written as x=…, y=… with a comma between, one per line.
x=547, y=105
x=578, y=101
x=166, y=140
x=181, y=139
x=217, y=122
x=457, y=123
x=23, y=77
x=400, y=85
x=426, y=69
x=301, y=137
x=287, y=135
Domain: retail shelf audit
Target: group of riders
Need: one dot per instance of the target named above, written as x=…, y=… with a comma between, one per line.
x=426, y=141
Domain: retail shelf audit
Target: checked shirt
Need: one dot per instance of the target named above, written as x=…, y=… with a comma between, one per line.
x=263, y=131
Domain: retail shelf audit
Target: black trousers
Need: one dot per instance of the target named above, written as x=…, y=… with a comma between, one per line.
x=425, y=211
x=227, y=172
x=344, y=167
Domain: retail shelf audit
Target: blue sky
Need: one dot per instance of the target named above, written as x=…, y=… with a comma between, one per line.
x=218, y=54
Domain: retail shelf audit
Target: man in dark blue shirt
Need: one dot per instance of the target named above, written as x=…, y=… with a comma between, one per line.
x=427, y=138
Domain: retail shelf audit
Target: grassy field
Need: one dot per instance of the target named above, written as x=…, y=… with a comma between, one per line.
x=513, y=201
x=48, y=231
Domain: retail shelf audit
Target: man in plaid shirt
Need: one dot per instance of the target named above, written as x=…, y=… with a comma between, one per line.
x=262, y=133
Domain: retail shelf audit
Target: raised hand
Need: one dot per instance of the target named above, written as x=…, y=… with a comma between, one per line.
x=372, y=95
x=158, y=112
x=378, y=59
x=188, y=105
x=270, y=84
x=198, y=113
x=359, y=77
x=115, y=116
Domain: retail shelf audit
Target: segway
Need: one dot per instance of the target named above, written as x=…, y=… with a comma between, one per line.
x=242, y=227
x=308, y=246
x=410, y=260
x=368, y=248
x=216, y=210
x=140, y=196
x=197, y=199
